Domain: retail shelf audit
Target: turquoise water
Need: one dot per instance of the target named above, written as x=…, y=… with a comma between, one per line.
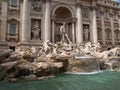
x=101, y=81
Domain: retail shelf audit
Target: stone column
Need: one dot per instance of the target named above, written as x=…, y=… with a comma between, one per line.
x=119, y=27
x=94, y=26
x=73, y=32
x=119, y=22
x=53, y=31
x=25, y=21
x=103, y=27
x=112, y=28
x=47, y=30
x=79, y=25
x=3, y=29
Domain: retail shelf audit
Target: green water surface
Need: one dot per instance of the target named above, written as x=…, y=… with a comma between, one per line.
x=101, y=81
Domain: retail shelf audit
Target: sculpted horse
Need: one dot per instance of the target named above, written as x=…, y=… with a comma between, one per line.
x=115, y=51
x=109, y=54
x=88, y=48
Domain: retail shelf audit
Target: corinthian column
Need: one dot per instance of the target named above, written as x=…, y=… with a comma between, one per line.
x=112, y=29
x=3, y=20
x=46, y=35
x=79, y=27
x=25, y=21
x=103, y=27
x=94, y=27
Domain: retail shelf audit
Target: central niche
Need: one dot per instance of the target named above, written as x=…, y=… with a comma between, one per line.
x=63, y=13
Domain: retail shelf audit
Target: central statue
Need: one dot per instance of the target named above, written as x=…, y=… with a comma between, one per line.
x=64, y=36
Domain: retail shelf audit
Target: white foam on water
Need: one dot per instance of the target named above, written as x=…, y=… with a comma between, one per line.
x=84, y=73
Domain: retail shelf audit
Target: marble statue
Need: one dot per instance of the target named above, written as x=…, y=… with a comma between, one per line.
x=86, y=33
x=88, y=47
x=109, y=54
x=36, y=5
x=64, y=36
x=115, y=51
x=36, y=31
x=96, y=47
x=45, y=46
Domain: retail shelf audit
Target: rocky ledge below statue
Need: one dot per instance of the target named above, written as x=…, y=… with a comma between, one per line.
x=24, y=66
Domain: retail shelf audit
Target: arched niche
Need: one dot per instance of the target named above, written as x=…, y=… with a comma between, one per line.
x=63, y=14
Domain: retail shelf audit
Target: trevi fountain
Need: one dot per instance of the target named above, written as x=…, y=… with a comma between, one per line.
x=60, y=66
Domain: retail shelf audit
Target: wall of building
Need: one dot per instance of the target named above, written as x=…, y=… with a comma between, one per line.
x=36, y=21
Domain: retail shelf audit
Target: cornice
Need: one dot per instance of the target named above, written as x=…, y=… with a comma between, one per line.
x=108, y=6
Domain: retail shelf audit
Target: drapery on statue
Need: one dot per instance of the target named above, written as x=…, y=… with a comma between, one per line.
x=64, y=36
x=86, y=33
x=36, y=31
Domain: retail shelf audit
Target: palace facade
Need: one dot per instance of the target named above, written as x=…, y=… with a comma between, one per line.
x=26, y=23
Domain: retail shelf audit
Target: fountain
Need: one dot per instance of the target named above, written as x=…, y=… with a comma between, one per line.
x=110, y=64
x=51, y=59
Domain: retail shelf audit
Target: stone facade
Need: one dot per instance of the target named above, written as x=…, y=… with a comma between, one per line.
x=26, y=23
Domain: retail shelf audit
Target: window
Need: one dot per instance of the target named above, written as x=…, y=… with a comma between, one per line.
x=12, y=28
x=115, y=17
x=106, y=15
x=117, y=32
x=108, y=34
x=14, y=3
x=98, y=14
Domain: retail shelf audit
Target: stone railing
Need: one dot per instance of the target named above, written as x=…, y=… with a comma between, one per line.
x=117, y=42
x=108, y=42
x=14, y=7
x=12, y=37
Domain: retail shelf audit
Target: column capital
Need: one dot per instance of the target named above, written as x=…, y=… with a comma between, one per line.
x=48, y=0
x=74, y=20
x=94, y=8
x=78, y=3
x=26, y=0
x=93, y=3
x=44, y=1
x=102, y=12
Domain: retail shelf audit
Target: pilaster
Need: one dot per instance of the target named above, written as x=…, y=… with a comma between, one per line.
x=25, y=21
x=103, y=27
x=47, y=27
x=79, y=24
x=112, y=28
x=3, y=20
x=94, y=26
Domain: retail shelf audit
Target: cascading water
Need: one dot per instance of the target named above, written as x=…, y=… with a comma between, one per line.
x=83, y=64
x=108, y=62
